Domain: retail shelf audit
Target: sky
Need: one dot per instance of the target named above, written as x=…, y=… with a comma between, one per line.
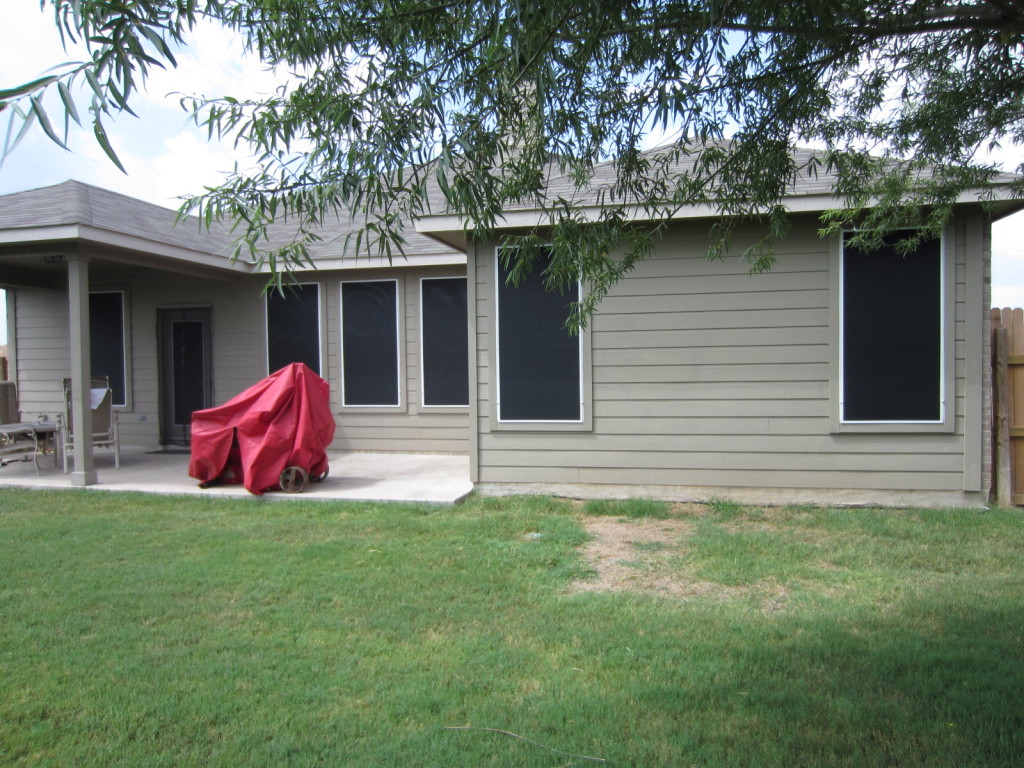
x=166, y=157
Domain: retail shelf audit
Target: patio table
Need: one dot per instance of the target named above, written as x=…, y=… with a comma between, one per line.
x=27, y=441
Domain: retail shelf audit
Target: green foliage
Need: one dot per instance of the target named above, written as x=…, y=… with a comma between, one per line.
x=633, y=508
x=400, y=109
x=725, y=508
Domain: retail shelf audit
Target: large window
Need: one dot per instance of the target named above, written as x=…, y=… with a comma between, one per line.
x=293, y=326
x=369, y=338
x=107, y=337
x=539, y=362
x=892, y=334
x=444, y=340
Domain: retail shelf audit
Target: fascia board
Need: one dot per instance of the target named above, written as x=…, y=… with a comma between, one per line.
x=364, y=262
x=94, y=236
x=448, y=228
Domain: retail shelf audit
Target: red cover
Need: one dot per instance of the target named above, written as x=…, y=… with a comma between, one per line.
x=283, y=421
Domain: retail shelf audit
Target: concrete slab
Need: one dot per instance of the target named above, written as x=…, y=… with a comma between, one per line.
x=402, y=477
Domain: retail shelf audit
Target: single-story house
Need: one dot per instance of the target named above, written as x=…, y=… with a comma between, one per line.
x=836, y=377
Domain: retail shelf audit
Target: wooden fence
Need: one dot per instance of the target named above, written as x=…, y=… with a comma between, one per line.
x=1008, y=405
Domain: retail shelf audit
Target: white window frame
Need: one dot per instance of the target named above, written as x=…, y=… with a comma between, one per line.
x=947, y=383
x=399, y=369
x=585, y=421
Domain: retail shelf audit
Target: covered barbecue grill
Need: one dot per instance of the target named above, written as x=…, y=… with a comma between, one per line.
x=273, y=435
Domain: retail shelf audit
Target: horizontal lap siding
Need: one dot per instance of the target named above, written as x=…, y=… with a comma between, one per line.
x=44, y=354
x=413, y=432
x=707, y=376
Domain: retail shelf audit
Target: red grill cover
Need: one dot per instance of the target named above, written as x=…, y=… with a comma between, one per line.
x=283, y=421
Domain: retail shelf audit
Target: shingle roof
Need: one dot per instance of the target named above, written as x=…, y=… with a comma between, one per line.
x=337, y=227
x=811, y=190
x=813, y=178
x=75, y=203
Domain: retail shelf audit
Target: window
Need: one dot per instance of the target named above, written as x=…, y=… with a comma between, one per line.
x=369, y=340
x=539, y=362
x=444, y=341
x=107, y=336
x=893, y=354
x=293, y=327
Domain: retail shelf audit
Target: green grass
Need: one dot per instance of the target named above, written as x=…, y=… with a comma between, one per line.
x=145, y=631
x=635, y=508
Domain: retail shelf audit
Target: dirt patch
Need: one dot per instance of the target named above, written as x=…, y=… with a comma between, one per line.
x=650, y=556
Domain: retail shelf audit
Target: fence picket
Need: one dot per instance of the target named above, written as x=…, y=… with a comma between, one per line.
x=1008, y=404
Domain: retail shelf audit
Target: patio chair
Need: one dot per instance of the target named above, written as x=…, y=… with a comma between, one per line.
x=104, y=422
x=20, y=438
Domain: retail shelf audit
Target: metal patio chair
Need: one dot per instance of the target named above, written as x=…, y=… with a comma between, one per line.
x=104, y=422
x=22, y=440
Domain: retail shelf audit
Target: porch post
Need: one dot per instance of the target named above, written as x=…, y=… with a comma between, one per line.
x=81, y=370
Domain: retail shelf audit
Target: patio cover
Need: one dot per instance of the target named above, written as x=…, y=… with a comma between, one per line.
x=284, y=420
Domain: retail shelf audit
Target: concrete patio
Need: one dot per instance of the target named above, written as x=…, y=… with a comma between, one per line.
x=433, y=479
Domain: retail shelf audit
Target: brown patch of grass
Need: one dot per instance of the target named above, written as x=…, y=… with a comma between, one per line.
x=649, y=557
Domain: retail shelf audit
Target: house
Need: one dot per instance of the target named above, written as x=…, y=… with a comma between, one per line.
x=837, y=377
x=177, y=326
x=695, y=378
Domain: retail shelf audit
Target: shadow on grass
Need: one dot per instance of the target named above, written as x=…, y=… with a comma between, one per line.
x=864, y=693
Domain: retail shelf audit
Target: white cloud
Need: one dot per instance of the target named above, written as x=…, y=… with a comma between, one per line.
x=165, y=155
x=30, y=43
x=1008, y=262
x=213, y=64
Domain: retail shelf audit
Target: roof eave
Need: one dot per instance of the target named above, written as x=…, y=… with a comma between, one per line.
x=452, y=229
x=146, y=252
x=367, y=262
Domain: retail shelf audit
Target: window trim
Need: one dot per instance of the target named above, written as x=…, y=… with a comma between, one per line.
x=585, y=422
x=126, y=345
x=319, y=326
x=399, y=346
x=947, y=361
x=422, y=359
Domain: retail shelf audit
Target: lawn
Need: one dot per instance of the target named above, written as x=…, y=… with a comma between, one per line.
x=145, y=631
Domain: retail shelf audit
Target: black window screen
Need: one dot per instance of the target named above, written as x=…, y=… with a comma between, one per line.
x=892, y=333
x=445, y=338
x=106, y=341
x=538, y=359
x=293, y=327
x=369, y=335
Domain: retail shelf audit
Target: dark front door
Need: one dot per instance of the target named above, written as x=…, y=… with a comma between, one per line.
x=186, y=383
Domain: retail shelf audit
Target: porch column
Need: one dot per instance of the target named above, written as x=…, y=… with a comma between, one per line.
x=81, y=370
